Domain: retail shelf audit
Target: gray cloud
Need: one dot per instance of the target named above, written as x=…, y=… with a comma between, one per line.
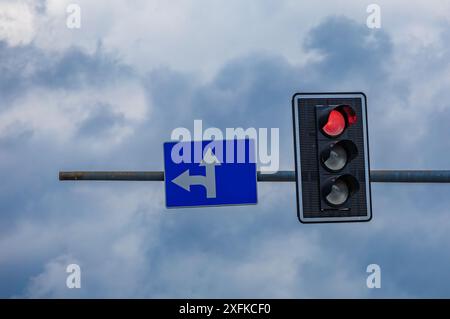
x=100, y=121
x=350, y=49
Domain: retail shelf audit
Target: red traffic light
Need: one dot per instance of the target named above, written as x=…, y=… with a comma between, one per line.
x=338, y=120
x=331, y=157
x=349, y=114
x=335, y=124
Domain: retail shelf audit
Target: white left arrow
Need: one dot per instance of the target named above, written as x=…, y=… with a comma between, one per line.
x=185, y=180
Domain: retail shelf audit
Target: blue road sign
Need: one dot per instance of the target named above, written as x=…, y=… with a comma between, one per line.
x=210, y=173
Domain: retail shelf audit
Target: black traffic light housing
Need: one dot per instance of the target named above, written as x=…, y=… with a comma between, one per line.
x=331, y=157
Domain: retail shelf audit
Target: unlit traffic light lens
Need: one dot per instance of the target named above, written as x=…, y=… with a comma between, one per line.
x=335, y=124
x=336, y=158
x=337, y=155
x=338, y=194
x=338, y=190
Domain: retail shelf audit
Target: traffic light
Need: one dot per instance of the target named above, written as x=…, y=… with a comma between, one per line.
x=331, y=157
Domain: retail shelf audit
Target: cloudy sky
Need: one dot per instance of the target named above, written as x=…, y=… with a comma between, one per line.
x=107, y=95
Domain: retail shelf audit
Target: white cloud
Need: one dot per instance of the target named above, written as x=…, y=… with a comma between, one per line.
x=16, y=23
x=200, y=35
x=110, y=242
x=52, y=281
x=56, y=114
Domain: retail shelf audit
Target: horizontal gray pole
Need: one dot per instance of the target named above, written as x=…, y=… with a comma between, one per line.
x=409, y=176
x=111, y=176
x=376, y=176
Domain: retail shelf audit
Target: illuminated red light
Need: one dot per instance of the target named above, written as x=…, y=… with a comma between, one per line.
x=335, y=124
x=351, y=115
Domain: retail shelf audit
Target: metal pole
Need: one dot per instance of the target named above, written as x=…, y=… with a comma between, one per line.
x=376, y=176
x=409, y=176
x=111, y=176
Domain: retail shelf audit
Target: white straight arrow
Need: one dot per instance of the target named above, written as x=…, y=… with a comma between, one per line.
x=185, y=180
